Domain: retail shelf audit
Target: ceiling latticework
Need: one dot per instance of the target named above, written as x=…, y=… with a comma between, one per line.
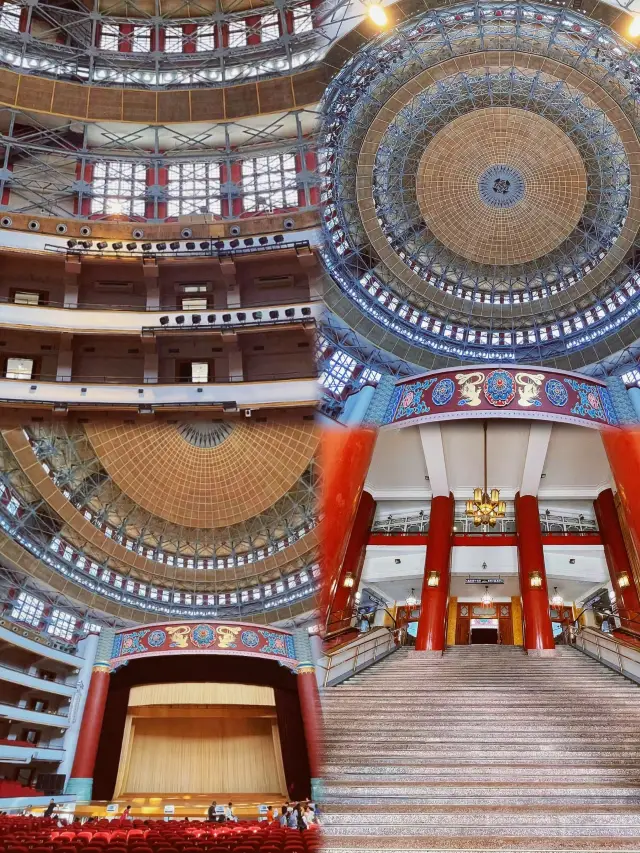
x=482, y=187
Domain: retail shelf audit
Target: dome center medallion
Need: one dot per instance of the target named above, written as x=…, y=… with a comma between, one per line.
x=501, y=186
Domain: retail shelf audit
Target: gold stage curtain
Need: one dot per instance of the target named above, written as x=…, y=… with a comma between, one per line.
x=201, y=693
x=200, y=756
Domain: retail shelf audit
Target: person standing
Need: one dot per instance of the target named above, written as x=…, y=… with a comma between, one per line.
x=49, y=810
x=211, y=812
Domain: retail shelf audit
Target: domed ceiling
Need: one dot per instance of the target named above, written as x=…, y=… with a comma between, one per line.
x=167, y=517
x=203, y=474
x=482, y=185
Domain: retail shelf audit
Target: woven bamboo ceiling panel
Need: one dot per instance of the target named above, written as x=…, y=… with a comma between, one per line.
x=204, y=486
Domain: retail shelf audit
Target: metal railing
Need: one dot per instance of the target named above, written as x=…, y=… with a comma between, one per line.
x=606, y=648
x=550, y=522
x=379, y=646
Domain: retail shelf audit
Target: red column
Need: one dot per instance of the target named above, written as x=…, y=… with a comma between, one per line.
x=616, y=553
x=83, y=174
x=310, y=708
x=161, y=178
x=189, y=43
x=87, y=748
x=623, y=452
x=538, y=634
x=345, y=458
x=341, y=606
x=433, y=614
x=253, y=23
x=125, y=42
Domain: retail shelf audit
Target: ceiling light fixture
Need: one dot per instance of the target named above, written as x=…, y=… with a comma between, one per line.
x=411, y=599
x=486, y=507
x=378, y=15
x=557, y=600
x=487, y=599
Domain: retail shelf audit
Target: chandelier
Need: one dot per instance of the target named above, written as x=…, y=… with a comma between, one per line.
x=557, y=600
x=487, y=598
x=411, y=600
x=486, y=507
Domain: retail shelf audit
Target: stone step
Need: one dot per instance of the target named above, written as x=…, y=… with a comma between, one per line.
x=467, y=818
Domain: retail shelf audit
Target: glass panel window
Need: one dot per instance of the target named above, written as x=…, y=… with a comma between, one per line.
x=173, y=39
x=270, y=182
x=338, y=372
x=193, y=188
x=237, y=31
x=205, y=37
x=269, y=27
x=119, y=188
x=62, y=624
x=26, y=297
x=199, y=371
x=19, y=368
x=192, y=304
x=302, y=19
x=110, y=37
x=141, y=40
x=10, y=17
x=28, y=609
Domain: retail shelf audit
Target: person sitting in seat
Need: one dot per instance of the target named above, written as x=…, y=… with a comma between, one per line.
x=228, y=813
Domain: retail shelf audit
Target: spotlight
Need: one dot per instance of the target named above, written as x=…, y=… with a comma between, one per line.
x=146, y=247
x=72, y=243
x=241, y=316
x=101, y=245
x=219, y=245
x=274, y=315
x=290, y=312
x=164, y=321
x=180, y=319
x=234, y=244
x=131, y=247
x=226, y=318
x=195, y=319
x=263, y=241
x=87, y=244
x=174, y=246
x=248, y=241
x=190, y=246
x=161, y=247
x=211, y=318
x=257, y=315
x=116, y=246
x=279, y=238
x=306, y=311
x=378, y=15
x=205, y=245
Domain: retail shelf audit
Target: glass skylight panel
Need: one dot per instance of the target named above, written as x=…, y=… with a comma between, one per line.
x=110, y=37
x=270, y=182
x=10, y=17
x=28, y=609
x=269, y=27
x=193, y=188
x=237, y=32
x=62, y=624
x=119, y=188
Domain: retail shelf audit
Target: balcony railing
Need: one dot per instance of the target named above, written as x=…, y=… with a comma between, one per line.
x=550, y=522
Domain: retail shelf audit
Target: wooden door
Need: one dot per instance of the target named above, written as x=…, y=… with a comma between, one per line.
x=505, y=625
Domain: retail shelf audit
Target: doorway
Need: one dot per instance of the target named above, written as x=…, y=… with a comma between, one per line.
x=484, y=636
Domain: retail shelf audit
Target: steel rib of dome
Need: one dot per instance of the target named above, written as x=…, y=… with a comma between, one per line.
x=380, y=115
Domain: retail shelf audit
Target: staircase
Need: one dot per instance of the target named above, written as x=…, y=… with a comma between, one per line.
x=484, y=749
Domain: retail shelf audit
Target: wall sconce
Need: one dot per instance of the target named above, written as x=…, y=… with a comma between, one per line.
x=348, y=580
x=623, y=580
x=535, y=580
x=433, y=579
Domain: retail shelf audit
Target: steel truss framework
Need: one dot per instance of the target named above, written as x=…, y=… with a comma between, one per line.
x=364, y=85
x=30, y=521
x=49, y=169
x=81, y=42
x=12, y=580
x=73, y=466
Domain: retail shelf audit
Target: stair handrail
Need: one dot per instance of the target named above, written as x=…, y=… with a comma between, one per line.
x=395, y=637
x=604, y=642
